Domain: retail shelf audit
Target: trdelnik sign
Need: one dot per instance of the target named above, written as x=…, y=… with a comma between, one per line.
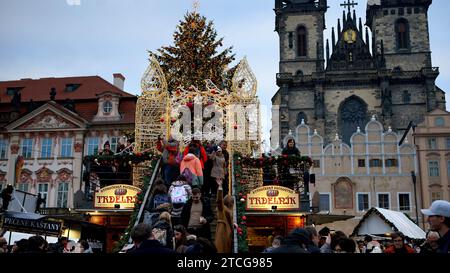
x=116, y=197
x=267, y=197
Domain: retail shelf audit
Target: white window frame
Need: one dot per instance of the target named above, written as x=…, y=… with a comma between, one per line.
x=47, y=193
x=111, y=145
x=3, y=148
x=357, y=201
x=47, y=147
x=438, y=192
x=329, y=200
x=438, y=168
x=448, y=168
x=23, y=187
x=398, y=201
x=59, y=194
x=88, y=145
x=429, y=143
x=110, y=107
x=22, y=146
x=378, y=199
x=65, y=145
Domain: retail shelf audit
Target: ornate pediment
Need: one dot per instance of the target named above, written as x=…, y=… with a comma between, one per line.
x=64, y=175
x=50, y=116
x=44, y=174
x=25, y=176
x=47, y=120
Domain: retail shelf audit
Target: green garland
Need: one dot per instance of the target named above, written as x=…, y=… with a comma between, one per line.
x=241, y=196
x=132, y=158
x=241, y=225
x=137, y=206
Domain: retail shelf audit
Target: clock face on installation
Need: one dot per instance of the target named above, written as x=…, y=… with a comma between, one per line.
x=350, y=36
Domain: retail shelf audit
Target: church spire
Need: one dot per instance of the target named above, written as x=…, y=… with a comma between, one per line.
x=339, y=27
x=328, y=51
x=360, y=27
x=333, y=37
x=367, y=39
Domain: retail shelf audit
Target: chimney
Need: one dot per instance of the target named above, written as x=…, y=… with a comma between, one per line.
x=119, y=80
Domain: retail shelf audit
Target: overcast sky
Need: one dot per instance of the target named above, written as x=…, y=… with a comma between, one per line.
x=61, y=38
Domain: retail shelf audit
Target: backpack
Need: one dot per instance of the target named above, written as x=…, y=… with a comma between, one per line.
x=188, y=175
x=159, y=199
x=179, y=194
x=160, y=234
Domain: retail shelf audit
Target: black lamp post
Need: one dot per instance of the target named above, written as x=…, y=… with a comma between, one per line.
x=413, y=176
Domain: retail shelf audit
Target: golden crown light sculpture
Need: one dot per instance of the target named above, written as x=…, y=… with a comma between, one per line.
x=157, y=111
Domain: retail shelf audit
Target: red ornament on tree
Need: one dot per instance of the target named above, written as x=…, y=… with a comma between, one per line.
x=244, y=217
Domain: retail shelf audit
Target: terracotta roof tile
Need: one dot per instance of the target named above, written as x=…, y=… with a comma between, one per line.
x=39, y=89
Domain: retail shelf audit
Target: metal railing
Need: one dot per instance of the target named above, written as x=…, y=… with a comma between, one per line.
x=147, y=195
x=233, y=190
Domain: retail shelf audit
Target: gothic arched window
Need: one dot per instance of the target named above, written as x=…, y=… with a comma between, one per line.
x=352, y=114
x=301, y=41
x=301, y=116
x=402, y=32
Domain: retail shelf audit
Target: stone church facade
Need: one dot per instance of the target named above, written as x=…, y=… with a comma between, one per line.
x=373, y=171
x=337, y=85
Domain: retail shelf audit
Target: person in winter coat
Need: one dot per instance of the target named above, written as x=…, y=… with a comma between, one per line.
x=291, y=149
x=431, y=244
x=197, y=215
x=218, y=170
x=199, y=151
x=438, y=216
x=191, y=162
x=6, y=196
x=161, y=199
x=145, y=242
x=287, y=179
x=399, y=245
x=169, y=151
x=295, y=242
x=164, y=224
x=179, y=192
x=224, y=228
x=85, y=247
x=180, y=236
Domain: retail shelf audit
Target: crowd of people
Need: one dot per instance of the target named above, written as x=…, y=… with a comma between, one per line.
x=308, y=240
x=38, y=245
x=179, y=214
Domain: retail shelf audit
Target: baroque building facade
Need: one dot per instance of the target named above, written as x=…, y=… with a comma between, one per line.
x=52, y=123
x=383, y=69
x=432, y=140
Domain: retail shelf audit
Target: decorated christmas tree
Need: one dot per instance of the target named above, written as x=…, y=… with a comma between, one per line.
x=196, y=55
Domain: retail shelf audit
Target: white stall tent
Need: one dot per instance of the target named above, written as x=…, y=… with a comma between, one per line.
x=378, y=221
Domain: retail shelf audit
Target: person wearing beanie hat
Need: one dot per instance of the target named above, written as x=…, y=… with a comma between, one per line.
x=439, y=220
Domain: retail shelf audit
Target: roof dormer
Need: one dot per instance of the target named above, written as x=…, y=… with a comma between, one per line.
x=108, y=107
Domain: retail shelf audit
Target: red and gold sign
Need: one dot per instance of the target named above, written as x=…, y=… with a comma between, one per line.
x=273, y=198
x=116, y=197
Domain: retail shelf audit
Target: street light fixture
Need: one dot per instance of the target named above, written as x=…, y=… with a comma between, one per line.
x=414, y=180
